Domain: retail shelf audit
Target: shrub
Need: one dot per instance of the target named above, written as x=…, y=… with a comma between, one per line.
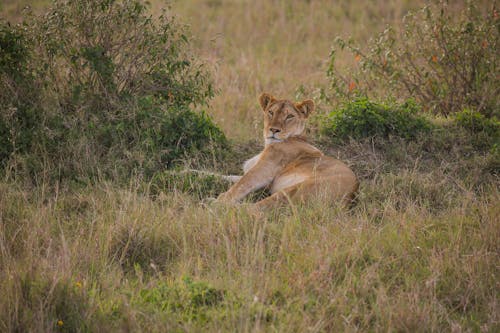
x=100, y=87
x=18, y=93
x=14, y=52
x=476, y=122
x=111, y=50
x=483, y=133
x=445, y=59
x=362, y=118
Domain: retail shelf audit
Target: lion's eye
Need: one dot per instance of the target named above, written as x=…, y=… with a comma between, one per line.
x=271, y=114
x=290, y=116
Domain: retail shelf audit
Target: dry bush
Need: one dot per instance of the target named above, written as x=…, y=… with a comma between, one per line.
x=444, y=57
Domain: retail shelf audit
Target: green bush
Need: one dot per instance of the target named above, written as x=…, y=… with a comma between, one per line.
x=362, y=118
x=113, y=50
x=476, y=122
x=483, y=132
x=99, y=87
x=444, y=56
x=18, y=93
x=13, y=50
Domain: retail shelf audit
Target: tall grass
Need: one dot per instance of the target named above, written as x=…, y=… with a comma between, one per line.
x=419, y=252
x=390, y=264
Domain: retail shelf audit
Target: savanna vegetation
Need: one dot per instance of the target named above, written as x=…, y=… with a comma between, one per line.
x=106, y=105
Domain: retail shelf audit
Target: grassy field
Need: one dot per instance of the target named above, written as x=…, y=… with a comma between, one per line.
x=417, y=253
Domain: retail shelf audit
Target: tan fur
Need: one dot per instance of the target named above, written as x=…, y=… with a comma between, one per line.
x=289, y=166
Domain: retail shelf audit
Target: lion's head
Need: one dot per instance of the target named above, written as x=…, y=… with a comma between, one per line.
x=282, y=118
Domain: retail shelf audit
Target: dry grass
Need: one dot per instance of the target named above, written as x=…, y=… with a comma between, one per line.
x=416, y=254
x=419, y=251
x=279, y=47
x=13, y=9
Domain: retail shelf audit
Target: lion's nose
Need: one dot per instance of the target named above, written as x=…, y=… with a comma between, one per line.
x=274, y=130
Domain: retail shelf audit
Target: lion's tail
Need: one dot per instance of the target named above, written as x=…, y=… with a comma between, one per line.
x=229, y=178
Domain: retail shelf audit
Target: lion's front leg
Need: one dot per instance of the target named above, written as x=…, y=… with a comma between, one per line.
x=261, y=175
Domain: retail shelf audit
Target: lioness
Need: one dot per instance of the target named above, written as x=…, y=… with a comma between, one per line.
x=289, y=166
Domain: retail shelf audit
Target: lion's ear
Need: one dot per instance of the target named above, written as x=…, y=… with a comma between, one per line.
x=265, y=99
x=305, y=107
